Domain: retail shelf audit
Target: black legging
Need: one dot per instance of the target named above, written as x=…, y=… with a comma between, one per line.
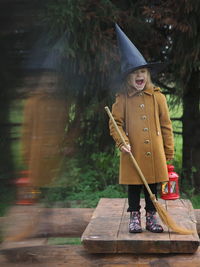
x=134, y=197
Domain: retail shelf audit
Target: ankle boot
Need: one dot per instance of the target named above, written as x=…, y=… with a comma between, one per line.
x=151, y=223
x=135, y=222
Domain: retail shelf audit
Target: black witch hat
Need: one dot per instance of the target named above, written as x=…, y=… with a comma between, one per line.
x=131, y=58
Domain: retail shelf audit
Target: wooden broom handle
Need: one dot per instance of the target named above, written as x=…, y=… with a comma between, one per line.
x=130, y=153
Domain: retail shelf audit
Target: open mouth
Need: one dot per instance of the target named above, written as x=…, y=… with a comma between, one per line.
x=139, y=81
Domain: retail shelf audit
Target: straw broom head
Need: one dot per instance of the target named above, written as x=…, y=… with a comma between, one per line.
x=167, y=220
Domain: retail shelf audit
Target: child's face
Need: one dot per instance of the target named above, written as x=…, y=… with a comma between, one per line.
x=138, y=79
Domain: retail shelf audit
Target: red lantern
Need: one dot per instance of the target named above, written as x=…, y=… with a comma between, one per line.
x=26, y=194
x=170, y=189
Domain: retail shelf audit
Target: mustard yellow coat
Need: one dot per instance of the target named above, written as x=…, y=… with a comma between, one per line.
x=43, y=135
x=143, y=119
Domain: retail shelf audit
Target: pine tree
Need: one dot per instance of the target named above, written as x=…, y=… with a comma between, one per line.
x=180, y=24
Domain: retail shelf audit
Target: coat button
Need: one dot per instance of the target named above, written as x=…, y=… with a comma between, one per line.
x=142, y=105
x=145, y=129
x=147, y=141
x=144, y=117
x=148, y=153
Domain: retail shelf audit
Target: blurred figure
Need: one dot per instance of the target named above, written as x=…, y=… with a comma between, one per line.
x=45, y=117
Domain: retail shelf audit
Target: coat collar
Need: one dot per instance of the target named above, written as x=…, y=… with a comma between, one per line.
x=148, y=91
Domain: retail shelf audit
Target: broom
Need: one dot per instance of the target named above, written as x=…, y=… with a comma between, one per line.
x=166, y=219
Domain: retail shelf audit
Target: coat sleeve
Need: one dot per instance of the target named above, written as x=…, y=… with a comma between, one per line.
x=166, y=126
x=118, y=112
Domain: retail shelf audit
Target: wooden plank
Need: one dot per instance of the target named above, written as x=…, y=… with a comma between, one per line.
x=62, y=222
x=70, y=222
x=34, y=242
x=51, y=222
x=182, y=210
x=110, y=234
x=101, y=233
x=76, y=255
x=197, y=219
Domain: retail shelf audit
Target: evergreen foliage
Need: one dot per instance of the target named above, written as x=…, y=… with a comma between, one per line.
x=180, y=23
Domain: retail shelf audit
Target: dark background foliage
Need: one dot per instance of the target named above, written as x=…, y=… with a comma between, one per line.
x=81, y=34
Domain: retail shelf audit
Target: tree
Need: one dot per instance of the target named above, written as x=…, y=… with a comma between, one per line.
x=180, y=23
x=91, y=58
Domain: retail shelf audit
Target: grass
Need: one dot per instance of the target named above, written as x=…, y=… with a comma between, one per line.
x=195, y=201
x=176, y=112
x=64, y=241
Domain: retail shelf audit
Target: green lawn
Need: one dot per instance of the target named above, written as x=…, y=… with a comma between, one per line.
x=64, y=241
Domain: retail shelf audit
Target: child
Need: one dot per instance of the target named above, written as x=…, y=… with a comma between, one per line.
x=142, y=115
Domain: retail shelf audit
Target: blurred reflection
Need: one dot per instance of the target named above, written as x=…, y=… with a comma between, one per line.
x=45, y=116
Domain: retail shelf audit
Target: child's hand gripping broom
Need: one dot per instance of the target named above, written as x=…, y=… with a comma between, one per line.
x=166, y=219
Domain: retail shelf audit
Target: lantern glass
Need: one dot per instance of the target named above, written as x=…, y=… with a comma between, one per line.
x=172, y=187
x=169, y=187
x=164, y=188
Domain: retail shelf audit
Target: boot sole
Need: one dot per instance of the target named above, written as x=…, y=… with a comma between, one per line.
x=156, y=231
x=135, y=231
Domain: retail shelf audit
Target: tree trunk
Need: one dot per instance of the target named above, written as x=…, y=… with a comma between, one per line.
x=191, y=132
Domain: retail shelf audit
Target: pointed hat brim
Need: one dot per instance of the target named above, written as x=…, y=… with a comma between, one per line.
x=154, y=67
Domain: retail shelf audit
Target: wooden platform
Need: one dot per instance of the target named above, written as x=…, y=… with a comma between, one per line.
x=76, y=256
x=107, y=231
